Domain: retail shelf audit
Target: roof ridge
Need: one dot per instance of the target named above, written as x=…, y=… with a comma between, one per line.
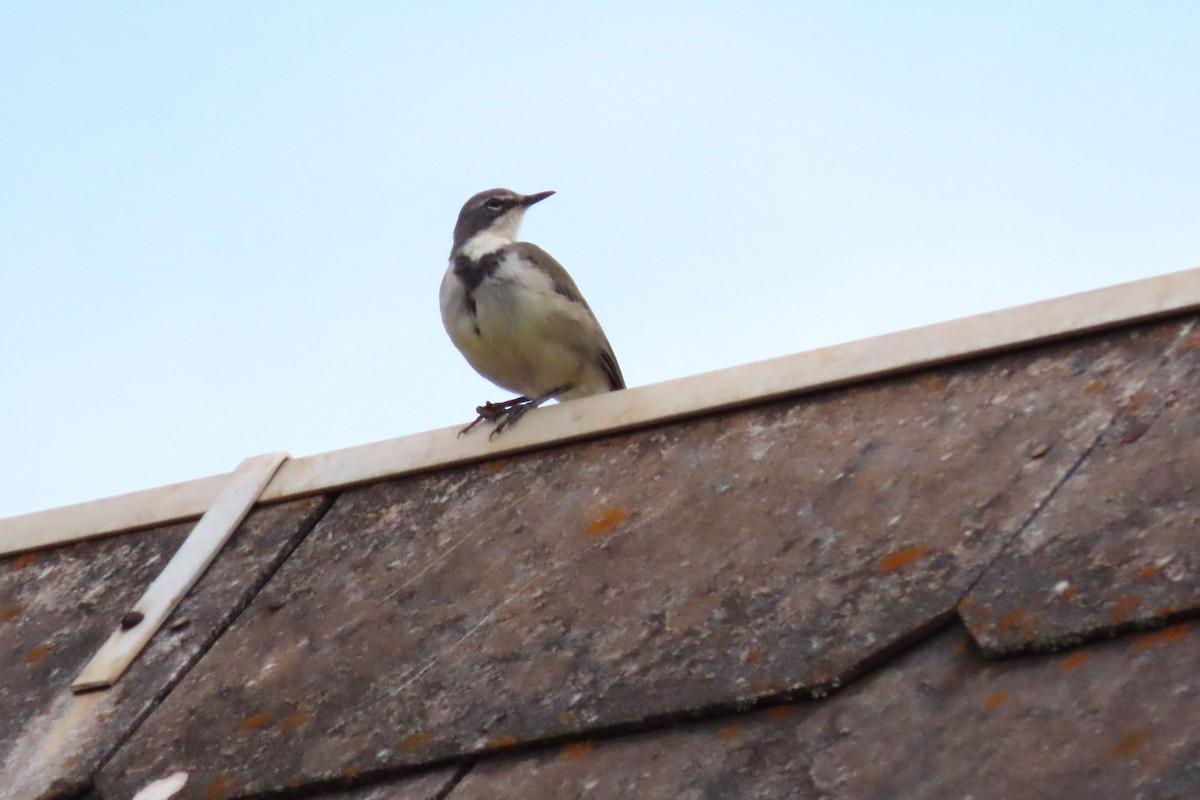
x=638, y=407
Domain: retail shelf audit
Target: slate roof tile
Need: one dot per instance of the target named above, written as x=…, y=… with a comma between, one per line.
x=57, y=607
x=1113, y=721
x=695, y=568
x=757, y=603
x=1119, y=543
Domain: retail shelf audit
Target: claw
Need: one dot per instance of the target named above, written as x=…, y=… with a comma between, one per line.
x=491, y=412
x=508, y=412
x=510, y=418
x=478, y=420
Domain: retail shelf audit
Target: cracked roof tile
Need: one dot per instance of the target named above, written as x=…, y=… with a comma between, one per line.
x=1116, y=546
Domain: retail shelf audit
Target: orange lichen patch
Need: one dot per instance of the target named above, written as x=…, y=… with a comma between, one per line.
x=255, y=721
x=1095, y=386
x=1074, y=660
x=934, y=383
x=1135, y=403
x=575, y=750
x=1191, y=342
x=414, y=740
x=1131, y=742
x=1012, y=619
x=24, y=560
x=10, y=612
x=35, y=653
x=609, y=518
x=503, y=741
x=905, y=555
x=1146, y=572
x=348, y=771
x=566, y=716
x=781, y=712
x=295, y=719
x=755, y=654
x=1123, y=607
x=728, y=732
x=218, y=788
x=492, y=467
x=1165, y=635
x=995, y=699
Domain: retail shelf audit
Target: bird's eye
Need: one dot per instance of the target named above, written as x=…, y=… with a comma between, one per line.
x=494, y=204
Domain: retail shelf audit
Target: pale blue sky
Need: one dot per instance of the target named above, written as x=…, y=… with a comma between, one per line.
x=222, y=225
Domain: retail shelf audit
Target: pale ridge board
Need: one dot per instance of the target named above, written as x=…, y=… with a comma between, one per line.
x=746, y=384
x=175, y=502
x=181, y=572
x=637, y=407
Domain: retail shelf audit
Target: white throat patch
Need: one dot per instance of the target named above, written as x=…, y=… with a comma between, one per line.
x=501, y=233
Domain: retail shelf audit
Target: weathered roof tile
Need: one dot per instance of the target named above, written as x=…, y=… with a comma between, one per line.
x=1117, y=544
x=699, y=566
x=58, y=606
x=1109, y=722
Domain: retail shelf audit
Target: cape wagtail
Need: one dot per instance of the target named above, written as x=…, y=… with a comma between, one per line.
x=516, y=315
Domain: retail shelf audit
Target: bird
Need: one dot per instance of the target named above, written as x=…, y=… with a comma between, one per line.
x=516, y=315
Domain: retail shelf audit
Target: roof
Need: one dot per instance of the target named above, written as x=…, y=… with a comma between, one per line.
x=971, y=576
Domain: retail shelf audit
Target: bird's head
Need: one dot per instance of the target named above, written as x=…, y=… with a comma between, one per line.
x=491, y=219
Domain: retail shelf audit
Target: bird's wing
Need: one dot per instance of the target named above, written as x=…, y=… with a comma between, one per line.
x=564, y=285
x=544, y=262
x=612, y=370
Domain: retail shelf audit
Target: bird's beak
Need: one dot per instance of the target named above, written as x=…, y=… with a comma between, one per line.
x=530, y=199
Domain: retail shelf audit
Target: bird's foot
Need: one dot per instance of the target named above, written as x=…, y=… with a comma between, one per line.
x=490, y=412
x=506, y=414
x=520, y=406
x=510, y=417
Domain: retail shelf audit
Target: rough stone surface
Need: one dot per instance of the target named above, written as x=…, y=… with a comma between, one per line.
x=698, y=566
x=1119, y=543
x=751, y=756
x=1115, y=721
x=58, y=606
x=432, y=785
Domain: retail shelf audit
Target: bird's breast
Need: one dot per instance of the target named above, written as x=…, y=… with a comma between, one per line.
x=513, y=327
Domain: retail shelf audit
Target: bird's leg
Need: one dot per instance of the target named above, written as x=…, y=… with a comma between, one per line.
x=492, y=411
x=511, y=415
